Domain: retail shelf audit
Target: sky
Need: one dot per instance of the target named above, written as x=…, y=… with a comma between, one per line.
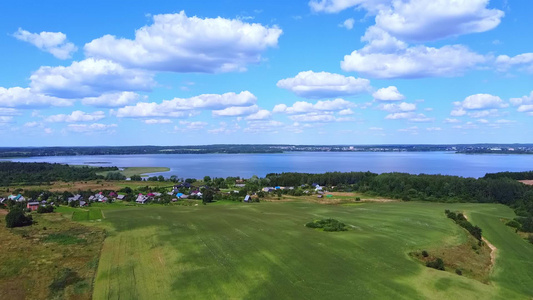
x=350, y=72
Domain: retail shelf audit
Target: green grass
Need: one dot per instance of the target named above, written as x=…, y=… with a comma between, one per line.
x=143, y=171
x=63, y=239
x=87, y=214
x=264, y=251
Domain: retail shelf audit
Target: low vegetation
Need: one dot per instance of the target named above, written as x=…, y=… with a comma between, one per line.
x=327, y=225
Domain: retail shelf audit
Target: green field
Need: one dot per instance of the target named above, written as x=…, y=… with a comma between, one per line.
x=143, y=171
x=264, y=251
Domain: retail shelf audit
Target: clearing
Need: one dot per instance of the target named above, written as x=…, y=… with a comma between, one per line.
x=264, y=251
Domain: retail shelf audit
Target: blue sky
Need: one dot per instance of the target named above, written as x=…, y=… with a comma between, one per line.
x=269, y=72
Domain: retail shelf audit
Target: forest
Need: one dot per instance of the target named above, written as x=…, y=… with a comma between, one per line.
x=39, y=173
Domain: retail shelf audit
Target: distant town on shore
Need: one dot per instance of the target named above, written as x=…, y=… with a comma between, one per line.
x=261, y=148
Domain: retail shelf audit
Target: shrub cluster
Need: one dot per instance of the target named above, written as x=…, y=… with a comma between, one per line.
x=17, y=218
x=436, y=264
x=460, y=219
x=45, y=209
x=327, y=225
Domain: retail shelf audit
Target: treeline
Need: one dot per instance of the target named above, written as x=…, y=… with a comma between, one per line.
x=528, y=175
x=39, y=173
x=435, y=188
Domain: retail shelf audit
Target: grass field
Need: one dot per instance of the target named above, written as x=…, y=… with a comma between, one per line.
x=263, y=251
x=53, y=259
x=143, y=171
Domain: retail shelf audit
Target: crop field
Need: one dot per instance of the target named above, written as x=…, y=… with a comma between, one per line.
x=264, y=251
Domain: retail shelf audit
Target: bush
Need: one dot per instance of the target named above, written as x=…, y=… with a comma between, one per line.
x=514, y=224
x=327, y=225
x=45, y=209
x=436, y=264
x=425, y=253
x=17, y=218
x=357, y=199
x=458, y=272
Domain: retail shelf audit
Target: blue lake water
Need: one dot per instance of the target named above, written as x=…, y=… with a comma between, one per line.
x=246, y=165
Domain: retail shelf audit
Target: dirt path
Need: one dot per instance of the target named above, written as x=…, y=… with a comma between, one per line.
x=492, y=252
x=493, y=248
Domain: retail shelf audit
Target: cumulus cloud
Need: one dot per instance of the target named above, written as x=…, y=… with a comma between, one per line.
x=6, y=119
x=157, y=121
x=178, y=43
x=410, y=116
x=414, y=62
x=261, y=126
x=25, y=98
x=346, y=112
x=311, y=84
x=306, y=107
x=89, y=78
x=235, y=111
x=262, y=114
x=390, y=93
x=92, y=128
x=319, y=117
x=433, y=129
x=524, y=103
x=451, y=120
x=524, y=61
x=51, y=42
x=76, y=116
x=112, y=99
x=401, y=107
x=422, y=20
x=348, y=23
x=178, y=107
x=188, y=125
x=478, y=106
x=335, y=6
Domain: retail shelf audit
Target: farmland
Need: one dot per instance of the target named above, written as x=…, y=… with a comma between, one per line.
x=264, y=251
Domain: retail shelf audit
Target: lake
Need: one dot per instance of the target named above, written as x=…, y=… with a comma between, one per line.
x=246, y=165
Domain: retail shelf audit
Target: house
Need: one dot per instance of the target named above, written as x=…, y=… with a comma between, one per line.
x=33, y=206
x=120, y=197
x=318, y=188
x=18, y=198
x=241, y=185
x=247, y=198
x=83, y=203
x=76, y=197
x=278, y=188
x=184, y=196
x=113, y=194
x=141, y=199
x=320, y=196
x=268, y=189
x=179, y=195
x=2, y=200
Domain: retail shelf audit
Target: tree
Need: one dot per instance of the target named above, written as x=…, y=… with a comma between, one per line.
x=207, y=179
x=207, y=196
x=17, y=218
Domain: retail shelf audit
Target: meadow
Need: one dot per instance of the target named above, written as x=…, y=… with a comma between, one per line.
x=263, y=251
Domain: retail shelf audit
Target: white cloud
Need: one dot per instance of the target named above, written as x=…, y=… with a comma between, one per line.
x=89, y=78
x=8, y=111
x=422, y=20
x=157, y=121
x=415, y=62
x=196, y=125
x=458, y=112
x=522, y=100
x=348, y=23
x=482, y=101
x=505, y=62
x=314, y=117
x=449, y=120
x=235, y=111
x=175, y=42
x=178, y=107
x=390, y=93
x=260, y=115
x=6, y=119
x=95, y=127
x=76, y=116
x=52, y=42
x=335, y=6
x=411, y=116
x=306, y=107
x=393, y=107
x=433, y=129
x=346, y=112
x=525, y=108
x=26, y=98
x=112, y=99
x=484, y=113
x=311, y=84
x=261, y=126
x=32, y=124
